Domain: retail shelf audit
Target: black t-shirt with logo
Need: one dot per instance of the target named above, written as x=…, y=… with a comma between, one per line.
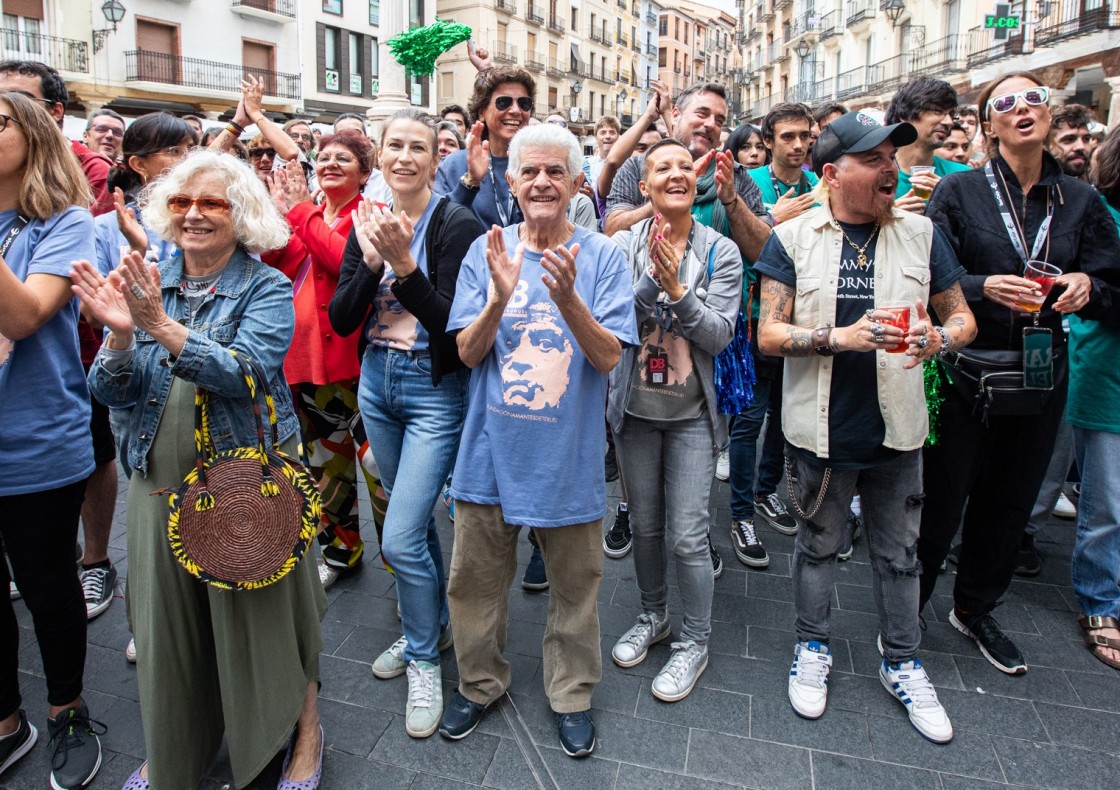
x=855, y=424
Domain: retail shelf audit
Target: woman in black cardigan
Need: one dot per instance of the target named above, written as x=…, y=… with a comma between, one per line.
x=397, y=284
x=992, y=454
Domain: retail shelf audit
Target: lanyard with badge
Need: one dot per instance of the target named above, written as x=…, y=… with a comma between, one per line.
x=13, y=230
x=1038, y=348
x=803, y=185
x=657, y=363
x=505, y=212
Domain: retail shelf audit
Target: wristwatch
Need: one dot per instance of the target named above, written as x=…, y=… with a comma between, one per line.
x=468, y=182
x=819, y=339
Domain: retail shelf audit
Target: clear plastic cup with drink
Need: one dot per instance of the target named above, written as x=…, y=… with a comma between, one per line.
x=1044, y=274
x=900, y=317
x=920, y=191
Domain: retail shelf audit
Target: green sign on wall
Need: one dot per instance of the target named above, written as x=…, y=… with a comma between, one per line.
x=1002, y=21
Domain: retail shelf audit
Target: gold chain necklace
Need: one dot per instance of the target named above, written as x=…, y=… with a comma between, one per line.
x=861, y=258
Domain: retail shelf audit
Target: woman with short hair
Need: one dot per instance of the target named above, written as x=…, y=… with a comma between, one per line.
x=212, y=662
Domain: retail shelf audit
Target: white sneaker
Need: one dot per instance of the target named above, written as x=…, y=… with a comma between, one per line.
x=1063, y=508
x=808, y=679
x=424, y=709
x=908, y=682
x=130, y=651
x=633, y=646
x=391, y=663
x=678, y=677
x=723, y=464
x=327, y=575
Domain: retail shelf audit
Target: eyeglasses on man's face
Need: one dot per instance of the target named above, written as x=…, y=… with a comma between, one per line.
x=503, y=103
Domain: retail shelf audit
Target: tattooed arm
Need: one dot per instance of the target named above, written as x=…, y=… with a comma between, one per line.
x=956, y=317
x=776, y=335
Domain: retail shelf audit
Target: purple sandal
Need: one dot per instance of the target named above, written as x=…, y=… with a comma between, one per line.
x=136, y=781
x=287, y=784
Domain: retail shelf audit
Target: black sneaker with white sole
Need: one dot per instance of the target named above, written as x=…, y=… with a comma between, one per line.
x=98, y=585
x=773, y=511
x=75, y=748
x=993, y=643
x=18, y=743
x=618, y=541
x=717, y=561
x=748, y=548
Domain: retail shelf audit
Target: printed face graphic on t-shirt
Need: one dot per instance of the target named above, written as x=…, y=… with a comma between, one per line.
x=535, y=371
x=396, y=327
x=672, y=346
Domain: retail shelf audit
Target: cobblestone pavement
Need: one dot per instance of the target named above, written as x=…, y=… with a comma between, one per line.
x=1055, y=727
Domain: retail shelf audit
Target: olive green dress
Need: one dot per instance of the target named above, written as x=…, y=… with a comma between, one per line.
x=211, y=662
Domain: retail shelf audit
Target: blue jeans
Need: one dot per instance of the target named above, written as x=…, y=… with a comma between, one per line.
x=745, y=430
x=669, y=467
x=413, y=430
x=891, y=493
x=1096, y=554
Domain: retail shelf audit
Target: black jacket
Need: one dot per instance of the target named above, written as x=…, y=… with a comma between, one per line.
x=450, y=232
x=1083, y=238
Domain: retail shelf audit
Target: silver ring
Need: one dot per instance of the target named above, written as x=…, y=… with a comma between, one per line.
x=870, y=314
x=877, y=333
x=137, y=291
x=923, y=342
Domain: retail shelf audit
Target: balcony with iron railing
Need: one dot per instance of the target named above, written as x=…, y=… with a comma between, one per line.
x=636, y=46
x=61, y=54
x=282, y=8
x=204, y=75
x=534, y=62
x=625, y=78
x=596, y=35
x=556, y=24
x=556, y=69
x=504, y=53
x=624, y=42
x=780, y=4
x=577, y=69
x=651, y=49
x=984, y=47
x=765, y=11
x=807, y=24
x=534, y=14
x=851, y=83
x=859, y=13
x=507, y=6
x=651, y=18
x=1068, y=20
x=829, y=25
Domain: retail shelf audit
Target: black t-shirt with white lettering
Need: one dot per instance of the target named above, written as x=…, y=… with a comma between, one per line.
x=855, y=424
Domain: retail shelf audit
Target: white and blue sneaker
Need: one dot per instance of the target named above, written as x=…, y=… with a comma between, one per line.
x=908, y=683
x=808, y=679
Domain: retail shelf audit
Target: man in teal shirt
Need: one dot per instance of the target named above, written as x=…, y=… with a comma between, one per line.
x=928, y=105
x=786, y=188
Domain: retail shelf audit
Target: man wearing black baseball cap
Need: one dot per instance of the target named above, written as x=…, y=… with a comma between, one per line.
x=843, y=293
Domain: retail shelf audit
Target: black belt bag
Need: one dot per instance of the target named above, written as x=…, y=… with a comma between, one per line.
x=992, y=381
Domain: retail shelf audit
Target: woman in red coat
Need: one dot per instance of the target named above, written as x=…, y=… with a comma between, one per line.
x=322, y=367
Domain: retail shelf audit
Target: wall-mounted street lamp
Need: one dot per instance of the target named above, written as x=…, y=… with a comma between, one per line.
x=803, y=49
x=894, y=9
x=114, y=13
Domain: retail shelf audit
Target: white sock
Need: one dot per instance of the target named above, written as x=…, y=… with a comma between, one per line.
x=857, y=508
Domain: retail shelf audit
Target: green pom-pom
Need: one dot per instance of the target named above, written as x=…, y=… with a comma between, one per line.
x=931, y=375
x=417, y=49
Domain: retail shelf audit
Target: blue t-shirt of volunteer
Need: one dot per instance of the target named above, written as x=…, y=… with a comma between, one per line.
x=533, y=439
x=44, y=401
x=391, y=325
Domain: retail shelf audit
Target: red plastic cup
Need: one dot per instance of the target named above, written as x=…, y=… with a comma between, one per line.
x=900, y=317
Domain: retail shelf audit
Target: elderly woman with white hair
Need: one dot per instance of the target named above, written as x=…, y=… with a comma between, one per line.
x=542, y=309
x=211, y=662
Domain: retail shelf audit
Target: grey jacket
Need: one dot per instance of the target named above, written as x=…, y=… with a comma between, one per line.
x=707, y=314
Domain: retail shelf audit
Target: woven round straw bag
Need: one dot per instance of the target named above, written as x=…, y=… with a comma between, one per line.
x=243, y=518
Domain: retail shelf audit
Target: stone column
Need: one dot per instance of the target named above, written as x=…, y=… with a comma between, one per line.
x=1113, y=104
x=391, y=94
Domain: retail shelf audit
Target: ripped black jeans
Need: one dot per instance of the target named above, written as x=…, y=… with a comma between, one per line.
x=891, y=494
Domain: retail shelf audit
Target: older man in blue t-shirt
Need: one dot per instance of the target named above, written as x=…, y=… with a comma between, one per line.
x=541, y=309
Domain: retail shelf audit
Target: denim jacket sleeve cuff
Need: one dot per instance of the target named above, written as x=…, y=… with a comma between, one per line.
x=191, y=359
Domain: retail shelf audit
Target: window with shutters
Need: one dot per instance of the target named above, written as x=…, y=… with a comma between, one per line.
x=259, y=59
x=157, y=56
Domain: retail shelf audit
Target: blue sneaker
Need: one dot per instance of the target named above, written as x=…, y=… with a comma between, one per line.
x=449, y=503
x=908, y=683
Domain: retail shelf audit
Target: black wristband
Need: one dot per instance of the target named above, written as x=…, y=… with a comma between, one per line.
x=729, y=203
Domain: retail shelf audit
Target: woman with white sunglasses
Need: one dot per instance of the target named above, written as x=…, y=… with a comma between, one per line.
x=1017, y=215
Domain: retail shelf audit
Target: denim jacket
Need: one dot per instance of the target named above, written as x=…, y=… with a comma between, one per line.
x=251, y=311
